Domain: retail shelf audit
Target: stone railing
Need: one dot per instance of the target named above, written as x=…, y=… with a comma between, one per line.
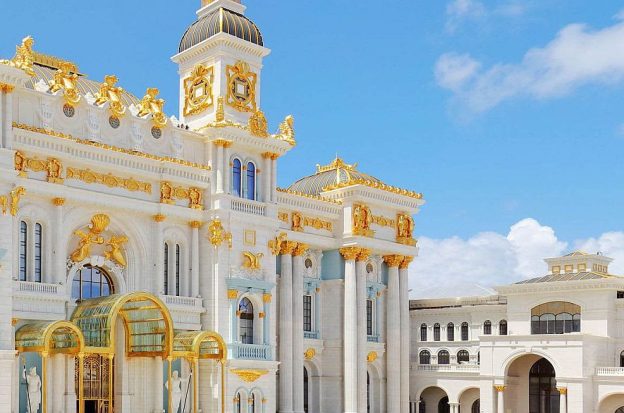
x=248, y=207
x=447, y=368
x=250, y=351
x=181, y=301
x=35, y=287
x=610, y=371
x=311, y=334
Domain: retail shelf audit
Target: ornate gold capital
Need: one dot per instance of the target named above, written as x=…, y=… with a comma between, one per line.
x=232, y=294
x=350, y=253
x=270, y=155
x=363, y=254
x=499, y=388
x=261, y=314
x=407, y=260
x=249, y=375
x=266, y=298
x=159, y=218
x=288, y=247
x=58, y=201
x=562, y=390
x=195, y=224
x=393, y=260
x=300, y=249
x=6, y=88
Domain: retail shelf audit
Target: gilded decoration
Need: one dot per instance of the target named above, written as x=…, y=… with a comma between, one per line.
x=249, y=237
x=111, y=93
x=6, y=88
x=99, y=224
x=363, y=255
x=287, y=130
x=362, y=219
x=377, y=185
x=112, y=181
x=252, y=261
x=499, y=388
x=24, y=56
x=562, y=390
x=270, y=155
x=66, y=78
x=217, y=234
x=249, y=375
x=383, y=221
x=371, y=356
x=241, y=83
x=59, y=202
x=407, y=260
x=232, y=294
x=405, y=230
x=314, y=197
x=297, y=222
x=10, y=202
x=393, y=261
x=266, y=297
x=170, y=193
x=159, y=218
x=198, y=90
x=309, y=353
x=151, y=105
x=282, y=216
x=300, y=249
x=275, y=245
x=317, y=223
x=69, y=137
x=195, y=224
x=288, y=247
x=220, y=113
x=258, y=125
x=350, y=253
x=52, y=167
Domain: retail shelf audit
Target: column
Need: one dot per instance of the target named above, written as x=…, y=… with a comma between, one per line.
x=233, y=297
x=7, y=347
x=500, y=398
x=285, y=329
x=266, y=176
x=219, y=166
x=226, y=167
x=362, y=340
x=60, y=254
x=195, y=258
x=563, y=399
x=266, y=299
x=350, y=330
x=274, y=178
x=454, y=407
x=297, y=326
x=393, y=335
x=159, y=254
x=405, y=331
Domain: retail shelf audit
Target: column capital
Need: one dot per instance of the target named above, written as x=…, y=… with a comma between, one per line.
x=562, y=390
x=6, y=88
x=300, y=249
x=393, y=260
x=499, y=388
x=363, y=254
x=266, y=298
x=232, y=294
x=288, y=247
x=58, y=201
x=195, y=224
x=350, y=253
x=159, y=218
x=407, y=260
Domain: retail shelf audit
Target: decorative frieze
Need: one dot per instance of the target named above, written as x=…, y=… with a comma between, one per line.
x=170, y=193
x=112, y=181
x=52, y=167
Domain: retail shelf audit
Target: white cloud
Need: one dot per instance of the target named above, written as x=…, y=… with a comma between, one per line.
x=459, y=10
x=577, y=56
x=463, y=267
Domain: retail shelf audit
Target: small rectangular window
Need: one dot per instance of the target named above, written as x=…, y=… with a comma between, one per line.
x=556, y=269
x=569, y=268
x=582, y=267
x=38, y=243
x=307, y=313
x=166, y=271
x=620, y=294
x=23, y=250
x=369, y=317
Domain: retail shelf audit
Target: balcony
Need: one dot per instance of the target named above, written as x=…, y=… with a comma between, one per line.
x=34, y=300
x=248, y=207
x=449, y=368
x=610, y=371
x=185, y=311
x=250, y=351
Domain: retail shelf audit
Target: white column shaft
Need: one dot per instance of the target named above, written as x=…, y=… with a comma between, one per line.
x=563, y=402
x=60, y=256
x=297, y=333
x=285, y=337
x=159, y=258
x=405, y=337
x=393, y=343
x=500, y=402
x=267, y=173
x=362, y=341
x=219, y=171
x=226, y=169
x=273, y=180
x=350, y=339
x=195, y=263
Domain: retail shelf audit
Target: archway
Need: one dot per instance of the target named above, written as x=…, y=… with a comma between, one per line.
x=434, y=400
x=443, y=405
x=613, y=403
x=543, y=393
x=531, y=385
x=467, y=398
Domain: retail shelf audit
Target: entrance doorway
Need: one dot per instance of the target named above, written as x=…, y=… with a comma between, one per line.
x=97, y=384
x=543, y=393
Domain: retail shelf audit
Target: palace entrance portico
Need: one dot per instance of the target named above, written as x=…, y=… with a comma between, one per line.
x=86, y=363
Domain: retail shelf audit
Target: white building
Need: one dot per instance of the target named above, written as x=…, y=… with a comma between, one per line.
x=543, y=345
x=137, y=248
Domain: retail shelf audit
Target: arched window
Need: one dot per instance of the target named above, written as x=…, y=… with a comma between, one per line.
x=443, y=405
x=423, y=332
x=251, y=181
x=487, y=327
x=557, y=317
x=464, y=331
x=476, y=406
x=172, y=263
x=622, y=359
x=91, y=282
x=463, y=356
x=368, y=393
x=502, y=328
x=479, y=357
x=422, y=406
x=166, y=270
x=436, y=332
x=444, y=357
x=450, y=332
x=543, y=394
x=177, y=270
x=246, y=311
x=252, y=403
x=237, y=183
x=238, y=403
x=620, y=410
x=37, y=250
x=23, y=250
x=424, y=357
x=306, y=391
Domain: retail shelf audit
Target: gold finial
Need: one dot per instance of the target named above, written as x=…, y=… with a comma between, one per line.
x=337, y=164
x=24, y=56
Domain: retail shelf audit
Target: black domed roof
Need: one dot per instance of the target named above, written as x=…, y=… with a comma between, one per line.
x=221, y=21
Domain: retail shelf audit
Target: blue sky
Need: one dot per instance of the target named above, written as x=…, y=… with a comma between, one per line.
x=436, y=96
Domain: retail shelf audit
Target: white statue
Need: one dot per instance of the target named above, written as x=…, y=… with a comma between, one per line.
x=33, y=382
x=176, y=390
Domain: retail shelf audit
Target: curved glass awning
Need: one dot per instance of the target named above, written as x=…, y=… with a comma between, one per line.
x=200, y=344
x=146, y=319
x=49, y=336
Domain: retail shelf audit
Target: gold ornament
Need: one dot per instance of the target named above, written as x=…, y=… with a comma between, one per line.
x=405, y=230
x=249, y=375
x=66, y=78
x=150, y=105
x=110, y=93
x=169, y=193
x=241, y=84
x=309, y=354
x=217, y=234
x=99, y=224
x=350, y=253
x=6, y=88
x=198, y=90
x=371, y=356
x=276, y=244
x=24, y=56
x=159, y=218
x=91, y=177
x=287, y=130
x=58, y=202
x=115, y=254
x=300, y=249
x=252, y=261
x=232, y=294
x=266, y=298
x=362, y=219
x=258, y=125
x=499, y=388
x=406, y=262
x=297, y=222
x=393, y=260
x=288, y=247
x=363, y=254
x=11, y=202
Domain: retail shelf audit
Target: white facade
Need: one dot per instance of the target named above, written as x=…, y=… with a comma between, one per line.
x=584, y=352
x=180, y=219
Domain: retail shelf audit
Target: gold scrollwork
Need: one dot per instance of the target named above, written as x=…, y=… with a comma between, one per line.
x=217, y=233
x=362, y=219
x=99, y=224
x=51, y=166
x=198, y=90
x=383, y=221
x=249, y=375
x=151, y=105
x=111, y=93
x=252, y=261
x=258, y=125
x=241, y=84
x=91, y=177
x=317, y=223
x=169, y=193
x=11, y=201
x=24, y=56
x=66, y=78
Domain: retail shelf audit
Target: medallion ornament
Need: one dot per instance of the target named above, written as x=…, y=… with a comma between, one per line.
x=309, y=353
x=241, y=83
x=198, y=90
x=258, y=125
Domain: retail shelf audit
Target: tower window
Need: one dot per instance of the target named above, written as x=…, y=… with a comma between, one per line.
x=177, y=270
x=37, y=250
x=251, y=181
x=237, y=183
x=166, y=270
x=369, y=317
x=246, y=311
x=307, y=313
x=23, y=250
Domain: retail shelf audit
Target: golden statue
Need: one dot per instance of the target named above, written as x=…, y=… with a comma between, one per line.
x=20, y=163
x=24, y=57
x=112, y=94
x=297, y=222
x=166, y=193
x=195, y=198
x=66, y=78
x=55, y=169
x=405, y=229
x=362, y=219
x=287, y=129
x=115, y=254
x=150, y=105
x=258, y=125
x=251, y=260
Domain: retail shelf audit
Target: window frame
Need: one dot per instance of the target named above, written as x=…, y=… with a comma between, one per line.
x=450, y=332
x=240, y=177
x=465, y=331
x=423, y=332
x=487, y=328
x=424, y=355
x=436, y=332
x=248, y=326
x=310, y=310
x=445, y=356
x=253, y=194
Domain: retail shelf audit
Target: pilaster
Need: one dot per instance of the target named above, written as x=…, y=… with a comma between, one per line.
x=362, y=340
x=405, y=331
x=297, y=327
x=393, y=336
x=350, y=347
x=285, y=328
